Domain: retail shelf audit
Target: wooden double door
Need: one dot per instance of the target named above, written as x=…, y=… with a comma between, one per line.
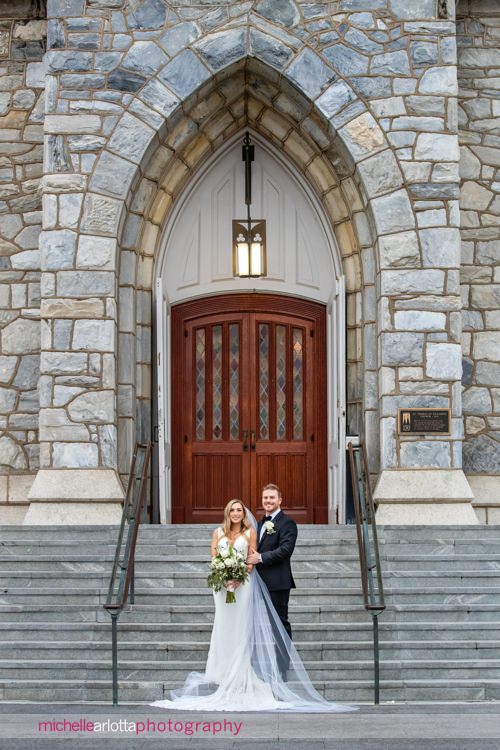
x=249, y=405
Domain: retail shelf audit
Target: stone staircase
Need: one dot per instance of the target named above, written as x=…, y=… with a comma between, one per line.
x=440, y=634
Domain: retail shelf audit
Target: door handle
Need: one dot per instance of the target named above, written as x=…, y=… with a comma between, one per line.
x=252, y=440
x=245, y=440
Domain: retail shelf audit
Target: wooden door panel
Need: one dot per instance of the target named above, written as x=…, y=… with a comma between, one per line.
x=288, y=471
x=249, y=391
x=216, y=479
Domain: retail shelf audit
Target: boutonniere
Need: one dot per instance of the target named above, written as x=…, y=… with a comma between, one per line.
x=269, y=527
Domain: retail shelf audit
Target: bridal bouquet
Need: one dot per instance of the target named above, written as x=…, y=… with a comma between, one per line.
x=227, y=565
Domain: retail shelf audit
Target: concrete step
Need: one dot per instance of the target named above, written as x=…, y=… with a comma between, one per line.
x=177, y=671
x=195, y=650
x=153, y=632
x=457, y=612
x=349, y=691
x=304, y=579
x=333, y=565
x=439, y=635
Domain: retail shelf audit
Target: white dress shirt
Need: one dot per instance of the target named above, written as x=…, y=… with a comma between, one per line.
x=263, y=529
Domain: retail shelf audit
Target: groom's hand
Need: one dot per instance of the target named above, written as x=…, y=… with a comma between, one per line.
x=253, y=558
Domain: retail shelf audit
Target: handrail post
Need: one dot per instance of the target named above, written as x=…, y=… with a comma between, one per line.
x=123, y=571
x=132, y=583
x=114, y=650
x=376, y=660
x=369, y=557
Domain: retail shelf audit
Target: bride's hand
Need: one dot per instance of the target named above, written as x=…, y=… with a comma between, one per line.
x=234, y=584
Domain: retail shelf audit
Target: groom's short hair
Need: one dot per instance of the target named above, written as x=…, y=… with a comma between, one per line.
x=272, y=487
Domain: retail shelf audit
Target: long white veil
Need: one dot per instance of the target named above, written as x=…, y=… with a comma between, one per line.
x=254, y=681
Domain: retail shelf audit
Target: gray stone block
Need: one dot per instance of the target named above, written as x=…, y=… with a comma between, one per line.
x=21, y=337
x=444, y=361
x=335, y=98
x=184, y=74
x=358, y=39
x=440, y=81
x=75, y=456
x=222, y=48
x=393, y=212
x=416, y=9
x=431, y=454
x=28, y=372
x=402, y=348
x=125, y=80
x=159, y=97
x=476, y=401
x=94, y=335
x=441, y=247
x=150, y=15
x=310, y=73
x=131, y=138
x=178, y=37
x=380, y=173
x=94, y=406
x=55, y=363
x=481, y=454
x=487, y=373
x=144, y=57
x=113, y=175
x=391, y=63
x=269, y=49
x=100, y=214
x=377, y=86
x=283, y=12
x=424, y=53
x=399, y=250
x=85, y=283
x=11, y=454
x=346, y=61
x=57, y=249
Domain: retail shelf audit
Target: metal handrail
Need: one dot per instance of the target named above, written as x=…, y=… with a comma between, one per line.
x=122, y=580
x=369, y=556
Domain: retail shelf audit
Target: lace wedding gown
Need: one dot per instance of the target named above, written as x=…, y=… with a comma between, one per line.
x=241, y=672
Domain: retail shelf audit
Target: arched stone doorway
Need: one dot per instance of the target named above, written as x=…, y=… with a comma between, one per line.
x=299, y=302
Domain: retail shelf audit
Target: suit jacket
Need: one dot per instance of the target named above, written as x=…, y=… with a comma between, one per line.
x=276, y=550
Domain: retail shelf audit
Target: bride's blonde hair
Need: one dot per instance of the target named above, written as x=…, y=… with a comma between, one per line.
x=245, y=523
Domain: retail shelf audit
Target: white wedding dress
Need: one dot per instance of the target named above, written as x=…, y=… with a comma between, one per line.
x=241, y=672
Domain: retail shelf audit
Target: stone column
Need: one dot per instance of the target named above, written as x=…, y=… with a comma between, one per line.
x=78, y=480
x=419, y=304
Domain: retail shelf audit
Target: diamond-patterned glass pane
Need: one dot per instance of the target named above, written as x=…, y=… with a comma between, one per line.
x=280, y=382
x=217, y=382
x=264, y=381
x=200, y=383
x=298, y=384
x=234, y=381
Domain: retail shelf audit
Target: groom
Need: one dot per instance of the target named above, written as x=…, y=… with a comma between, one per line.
x=276, y=537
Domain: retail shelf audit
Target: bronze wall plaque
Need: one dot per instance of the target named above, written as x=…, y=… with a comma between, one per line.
x=425, y=421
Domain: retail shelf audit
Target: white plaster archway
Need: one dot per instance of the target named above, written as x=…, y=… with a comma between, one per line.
x=303, y=260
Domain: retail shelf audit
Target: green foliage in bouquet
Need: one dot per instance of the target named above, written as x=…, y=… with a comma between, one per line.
x=227, y=565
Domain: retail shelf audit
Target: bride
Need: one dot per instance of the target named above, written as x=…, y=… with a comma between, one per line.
x=242, y=672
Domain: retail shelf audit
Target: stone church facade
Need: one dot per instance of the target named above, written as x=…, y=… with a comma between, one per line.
x=388, y=110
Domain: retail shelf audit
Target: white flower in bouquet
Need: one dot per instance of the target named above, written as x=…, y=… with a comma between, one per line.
x=227, y=566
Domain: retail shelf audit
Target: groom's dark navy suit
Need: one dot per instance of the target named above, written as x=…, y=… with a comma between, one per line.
x=275, y=550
